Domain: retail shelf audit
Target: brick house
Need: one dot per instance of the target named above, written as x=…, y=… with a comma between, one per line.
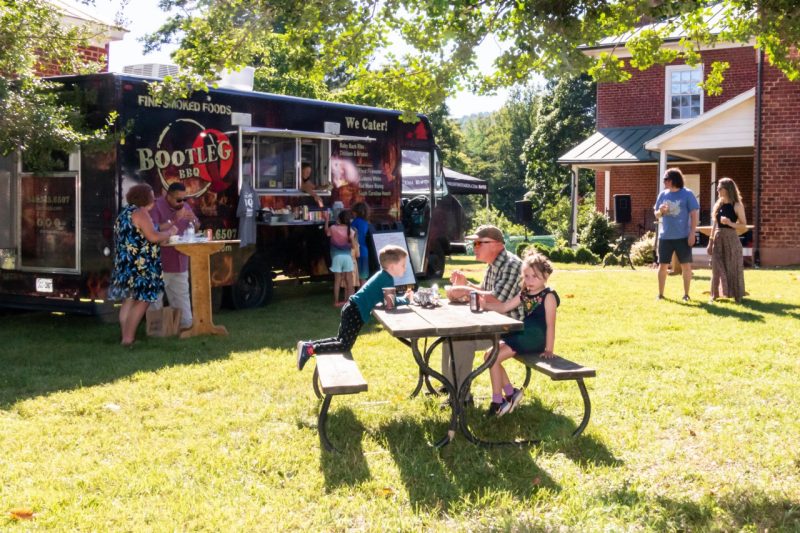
x=102, y=34
x=660, y=118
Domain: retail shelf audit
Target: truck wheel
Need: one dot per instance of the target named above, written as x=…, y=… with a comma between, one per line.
x=435, y=264
x=253, y=287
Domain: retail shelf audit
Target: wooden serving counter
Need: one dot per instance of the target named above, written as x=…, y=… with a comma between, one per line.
x=199, y=253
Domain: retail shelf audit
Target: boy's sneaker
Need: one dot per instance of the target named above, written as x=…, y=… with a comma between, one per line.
x=515, y=398
x=304, y=353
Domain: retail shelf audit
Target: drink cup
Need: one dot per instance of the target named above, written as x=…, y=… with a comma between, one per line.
x=389, y=298
x=474, y=302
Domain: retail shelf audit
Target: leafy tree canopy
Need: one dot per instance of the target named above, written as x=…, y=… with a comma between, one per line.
x=564, y=118
x=33, y=116
x=342, y=46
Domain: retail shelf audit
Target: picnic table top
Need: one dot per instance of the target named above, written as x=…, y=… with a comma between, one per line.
x=445, y=320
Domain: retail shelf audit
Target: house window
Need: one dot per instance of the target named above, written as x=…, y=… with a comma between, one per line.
x=684, y=97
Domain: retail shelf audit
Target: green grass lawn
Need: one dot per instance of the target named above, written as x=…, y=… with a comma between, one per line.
x=694, y=422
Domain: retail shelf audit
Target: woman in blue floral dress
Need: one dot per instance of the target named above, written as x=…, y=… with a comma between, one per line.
x=136, y=279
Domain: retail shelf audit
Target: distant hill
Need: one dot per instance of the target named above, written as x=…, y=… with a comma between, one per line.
x=462, y=121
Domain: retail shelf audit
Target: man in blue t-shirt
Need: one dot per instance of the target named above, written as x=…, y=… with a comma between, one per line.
x=678, y=212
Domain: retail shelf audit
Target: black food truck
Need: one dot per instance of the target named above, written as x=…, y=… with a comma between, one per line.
x=56, y=227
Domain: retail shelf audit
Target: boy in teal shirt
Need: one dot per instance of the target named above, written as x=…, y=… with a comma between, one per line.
x=356, y=312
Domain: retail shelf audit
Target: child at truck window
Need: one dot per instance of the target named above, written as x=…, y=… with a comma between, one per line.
x=356, y=312
x=361, y=212
x=538, y=336
x=343, y=238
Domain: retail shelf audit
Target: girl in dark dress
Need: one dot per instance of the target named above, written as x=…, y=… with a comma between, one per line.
x=538, y=336
x=724, y=247
x=136, y=278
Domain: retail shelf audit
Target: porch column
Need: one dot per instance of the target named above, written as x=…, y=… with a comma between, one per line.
x=607, y=192
x=662, y=167
x=713, y=195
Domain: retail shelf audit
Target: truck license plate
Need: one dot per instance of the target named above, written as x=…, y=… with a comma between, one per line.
x=44, y=284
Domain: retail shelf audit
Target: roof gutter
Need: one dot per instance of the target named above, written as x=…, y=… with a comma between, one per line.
x=757, y=169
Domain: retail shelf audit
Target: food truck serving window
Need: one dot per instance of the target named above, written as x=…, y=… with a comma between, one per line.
x=276, y=164
x=277, y=161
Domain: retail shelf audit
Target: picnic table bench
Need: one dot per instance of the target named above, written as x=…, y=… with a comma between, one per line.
x=556, y=368
x=335, y=374
x=560, y=369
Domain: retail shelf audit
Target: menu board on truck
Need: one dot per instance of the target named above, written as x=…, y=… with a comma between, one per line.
x=48, y=209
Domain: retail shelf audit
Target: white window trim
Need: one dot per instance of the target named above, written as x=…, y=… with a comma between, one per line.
x=668, y=92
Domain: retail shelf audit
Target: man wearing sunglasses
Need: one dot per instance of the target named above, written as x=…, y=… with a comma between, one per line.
x=173, y=209
x=502, y=278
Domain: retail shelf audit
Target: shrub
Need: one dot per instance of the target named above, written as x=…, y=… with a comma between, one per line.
x=522, y=248
x=542, y=249
x=562, y=255
x=597, y=234
x=611, y=260
x=585, y=256
x=643, y=251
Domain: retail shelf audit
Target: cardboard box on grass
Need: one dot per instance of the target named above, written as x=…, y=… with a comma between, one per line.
x=164, y=322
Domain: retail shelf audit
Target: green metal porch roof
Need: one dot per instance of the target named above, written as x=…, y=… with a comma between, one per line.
x=616, y=146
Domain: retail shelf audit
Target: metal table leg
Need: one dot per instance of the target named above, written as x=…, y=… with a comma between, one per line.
x=462, y=396
x=425, y=369
x=424, y=378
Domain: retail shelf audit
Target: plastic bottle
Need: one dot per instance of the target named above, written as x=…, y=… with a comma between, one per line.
x=190, y=232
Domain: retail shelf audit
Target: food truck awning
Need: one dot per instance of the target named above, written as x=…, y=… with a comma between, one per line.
x=458, y=183
x=277, y=132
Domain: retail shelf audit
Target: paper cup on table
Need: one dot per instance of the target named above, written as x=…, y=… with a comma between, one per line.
x=389, y=298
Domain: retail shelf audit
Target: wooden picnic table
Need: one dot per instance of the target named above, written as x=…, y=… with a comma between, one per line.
x=446, y=323
x=199, y=253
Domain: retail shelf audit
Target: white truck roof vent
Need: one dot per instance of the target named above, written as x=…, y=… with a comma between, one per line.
x=241, y=80
x=151, y=70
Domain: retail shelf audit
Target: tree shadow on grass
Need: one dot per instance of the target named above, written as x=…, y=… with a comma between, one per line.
x=42, y=353
x=436, y=478
x=532, y=420
x=772, y=308
x=725, y=311
x=555, y=430
x=733, y=512
x=346, y=466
